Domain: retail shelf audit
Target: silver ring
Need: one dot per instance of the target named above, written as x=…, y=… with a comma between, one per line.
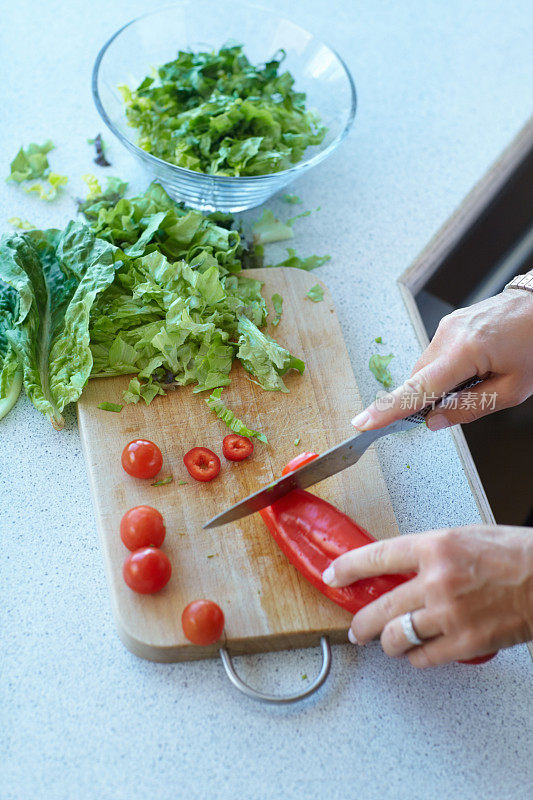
x=409, y=629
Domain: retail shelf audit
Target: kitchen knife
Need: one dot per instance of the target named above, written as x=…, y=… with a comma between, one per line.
x=329, y=463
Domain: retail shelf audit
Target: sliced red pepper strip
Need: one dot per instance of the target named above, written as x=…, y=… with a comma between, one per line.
x=312, y=533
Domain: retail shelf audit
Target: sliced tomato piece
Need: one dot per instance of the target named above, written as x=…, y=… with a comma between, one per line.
x=298, y=461
x=202, y=464
x=237, y=448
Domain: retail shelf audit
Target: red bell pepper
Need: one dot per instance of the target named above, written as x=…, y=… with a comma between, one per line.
x=312, y=533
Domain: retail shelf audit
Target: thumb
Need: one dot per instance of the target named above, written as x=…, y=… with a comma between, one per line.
x=466, y=406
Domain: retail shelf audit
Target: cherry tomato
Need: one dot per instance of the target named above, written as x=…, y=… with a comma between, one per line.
x=142, y=459
x=298, y=461
x=237, y=448
x=147, y=570
x=202, y=622
x=202, y=464
x=142, y=526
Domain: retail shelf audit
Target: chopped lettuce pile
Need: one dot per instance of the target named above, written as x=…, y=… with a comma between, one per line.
x=218, y=114
x=144, y=287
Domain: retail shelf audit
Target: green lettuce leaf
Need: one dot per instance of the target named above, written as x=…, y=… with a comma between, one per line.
x=106, y=406
x=30, y=162
x=227, y=416
x=145, y=391
x=315, y=293
x=98, y=198
x=293, y=260
x=293, y=199
x=50, y=192
x=10, y=369
x=57, y=277
x=277, y=303
x=378, y=366
x=270, y=229
x=264, y=358
x=22, y=224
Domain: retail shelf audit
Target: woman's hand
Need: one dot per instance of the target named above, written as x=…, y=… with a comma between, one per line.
x=473, y=592
x=493, y=340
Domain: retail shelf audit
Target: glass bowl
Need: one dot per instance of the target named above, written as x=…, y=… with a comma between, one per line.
x=155, y=38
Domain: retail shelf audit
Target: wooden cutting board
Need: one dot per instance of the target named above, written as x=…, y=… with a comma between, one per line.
x=266, y=602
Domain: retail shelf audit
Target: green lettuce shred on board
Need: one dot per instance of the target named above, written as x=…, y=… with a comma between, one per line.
x=277, y=304
x=30, y=162
x=106, y=406
x=378, y=366
x=165, y=481
x=227, y=416
x=315, y=293
x=216, y=113
x=145, y=287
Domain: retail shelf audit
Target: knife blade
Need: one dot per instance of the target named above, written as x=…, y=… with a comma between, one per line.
x=329, y=463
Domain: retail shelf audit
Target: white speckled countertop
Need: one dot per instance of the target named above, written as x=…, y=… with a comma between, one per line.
x=443, y=88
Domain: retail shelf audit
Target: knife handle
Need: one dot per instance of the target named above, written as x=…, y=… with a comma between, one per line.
x=420, y=416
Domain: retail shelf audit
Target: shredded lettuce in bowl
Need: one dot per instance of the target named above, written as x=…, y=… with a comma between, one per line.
x=216, y=113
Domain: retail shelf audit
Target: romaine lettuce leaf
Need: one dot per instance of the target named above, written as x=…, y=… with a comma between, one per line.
x=57, y=277
x=10, y=369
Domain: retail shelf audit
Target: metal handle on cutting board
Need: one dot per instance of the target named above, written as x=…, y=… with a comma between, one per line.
x=273, y=698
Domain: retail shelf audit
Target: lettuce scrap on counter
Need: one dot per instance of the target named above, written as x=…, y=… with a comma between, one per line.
x=379, y=367
x=219, y=114
x=143, y=286
x=31, y=163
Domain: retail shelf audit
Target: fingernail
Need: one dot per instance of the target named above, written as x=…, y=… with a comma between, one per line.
x=361, y=420
x=328, y=576
x=351, y=636
x=437, y=422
